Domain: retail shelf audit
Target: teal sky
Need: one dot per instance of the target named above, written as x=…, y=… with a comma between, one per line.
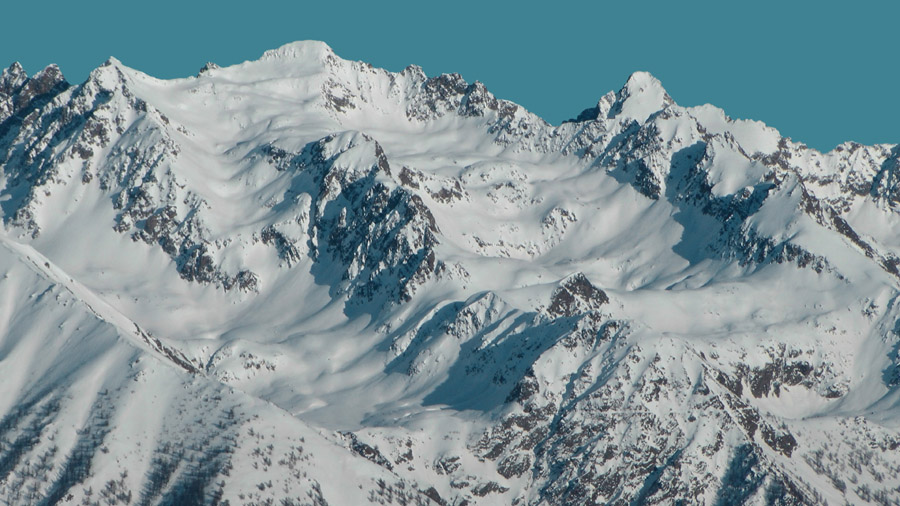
x=820, y=72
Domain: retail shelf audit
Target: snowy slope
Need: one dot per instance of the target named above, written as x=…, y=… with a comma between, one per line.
x=441, y=296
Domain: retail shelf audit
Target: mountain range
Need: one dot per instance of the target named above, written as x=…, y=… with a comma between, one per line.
x=303, y=280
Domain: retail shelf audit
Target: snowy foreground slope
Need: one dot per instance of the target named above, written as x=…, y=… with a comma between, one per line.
x=305, y=280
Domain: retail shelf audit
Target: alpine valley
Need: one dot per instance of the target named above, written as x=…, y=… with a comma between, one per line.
x=303, y=280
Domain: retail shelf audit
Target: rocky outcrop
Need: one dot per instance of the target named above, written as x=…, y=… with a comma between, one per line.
x=380, y=234
x=576, y=295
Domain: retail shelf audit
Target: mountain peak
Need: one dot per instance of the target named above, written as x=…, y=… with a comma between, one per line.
x=641, y=96
x=14, y=69
x=112, y=61
x=642, y=80
x=12, y=78
x=303, y=49
x=109, y=75
x=18, y=91
x=50, y=73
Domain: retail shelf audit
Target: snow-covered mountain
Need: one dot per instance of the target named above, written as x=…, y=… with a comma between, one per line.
x=305, y=280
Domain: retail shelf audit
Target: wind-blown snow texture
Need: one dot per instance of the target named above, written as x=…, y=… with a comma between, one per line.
x=305, y=280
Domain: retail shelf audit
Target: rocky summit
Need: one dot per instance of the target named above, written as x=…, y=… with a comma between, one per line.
x=303, y=280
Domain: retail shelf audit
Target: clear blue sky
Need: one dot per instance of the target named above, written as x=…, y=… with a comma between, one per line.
x=821, y=72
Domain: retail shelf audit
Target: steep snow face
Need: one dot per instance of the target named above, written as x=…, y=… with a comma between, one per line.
x=96, y=409
x=214, y=282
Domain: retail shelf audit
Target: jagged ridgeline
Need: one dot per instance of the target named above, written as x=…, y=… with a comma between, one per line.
x=306, y=280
